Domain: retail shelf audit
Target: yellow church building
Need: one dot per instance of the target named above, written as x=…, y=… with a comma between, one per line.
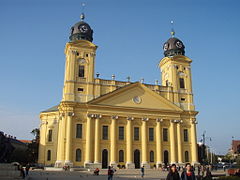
x=128, y=124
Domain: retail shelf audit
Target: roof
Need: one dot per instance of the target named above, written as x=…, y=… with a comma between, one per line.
x=25, y=141
x=52, y=109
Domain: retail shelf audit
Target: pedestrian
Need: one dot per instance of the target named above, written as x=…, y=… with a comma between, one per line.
x=27, y=168
x=208, y=174
x=173, y=173
x=22, y=172
x=142, y=171
x=188, y=173
x=110, y=173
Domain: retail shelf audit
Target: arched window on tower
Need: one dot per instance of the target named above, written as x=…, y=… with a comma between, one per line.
x=78, y=155
x=121, y=156
x=81, y=71
x=186, y=156
x=181, y=81
x=50, y=135
x=151, y=156
x=49, y=155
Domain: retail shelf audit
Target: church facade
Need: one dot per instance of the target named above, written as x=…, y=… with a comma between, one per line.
x=120, y=123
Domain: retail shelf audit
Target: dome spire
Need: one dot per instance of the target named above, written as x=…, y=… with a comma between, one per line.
x=82, y=16
x=172, y=30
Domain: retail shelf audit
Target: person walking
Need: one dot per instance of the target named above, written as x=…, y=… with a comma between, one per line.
x=188, y=173
x=173, y=173
x=208, y=174
x=27, y=168
x=110, y=173
x=142, y=171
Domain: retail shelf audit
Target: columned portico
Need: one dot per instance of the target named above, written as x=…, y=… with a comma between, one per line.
x=129, y=137
x=113, y=135
x=89, y=146
x=179, y=142
x=194, y=141
x=60, y=147
x=159, y=142
x=68, y=157
x=97, y=162
x=144, y=143
x=172, y=142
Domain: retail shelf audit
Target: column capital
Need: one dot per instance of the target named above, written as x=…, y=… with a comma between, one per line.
x=96, y=116
x=115, y=117
x=145, y=119
x=159, y=120
x=130, y=118
x=70, y=114
x=176, y=121
x=193, y=121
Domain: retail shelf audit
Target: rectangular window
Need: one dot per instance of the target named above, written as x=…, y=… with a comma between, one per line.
x=181, y=81
x=80, y=89
x=79, y=131
x=165, y=134
x=121, y=133
x=81, y=71
x=151, y=134
x=185, y=135
x=50, y=135
x=105, y=132
x=136, y=133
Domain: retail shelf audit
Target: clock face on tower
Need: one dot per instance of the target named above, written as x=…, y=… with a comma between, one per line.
x=165, y=46
x=179, y=44
x=83, y=28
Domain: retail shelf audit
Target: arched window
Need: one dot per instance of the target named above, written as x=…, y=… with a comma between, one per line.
x=49, y=155
x=121, y=156
x=165, y=155
x=186, y=156
x=78, y=155
x=151, y=156
x=50, y=135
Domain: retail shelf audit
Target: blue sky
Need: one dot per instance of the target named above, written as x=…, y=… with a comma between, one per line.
x=130, y=35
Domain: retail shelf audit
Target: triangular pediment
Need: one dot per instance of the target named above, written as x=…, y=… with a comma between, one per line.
x=136, y=95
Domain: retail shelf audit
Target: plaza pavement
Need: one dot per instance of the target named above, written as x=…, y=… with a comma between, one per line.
x=133, y=174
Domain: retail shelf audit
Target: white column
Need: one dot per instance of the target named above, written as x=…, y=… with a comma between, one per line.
x=194, y=141
x=179, y=142
x=68, y=157
x=172, y=142
x=113, y=137
x=144, y=143
x=129, y=137
x=159, y=143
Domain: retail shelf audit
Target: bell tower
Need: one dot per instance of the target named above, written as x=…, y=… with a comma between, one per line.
x=176, y=72
x=80, y=61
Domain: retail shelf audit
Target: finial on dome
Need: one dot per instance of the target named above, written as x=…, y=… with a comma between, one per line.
x=172, y=31
x=82, y=16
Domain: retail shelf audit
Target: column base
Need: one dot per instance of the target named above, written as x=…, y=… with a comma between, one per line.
x=88, y=165
x=96, y=165
x=59, y=164
x=68, y=163
x=159, y=165
x=173, y=163
x=146, y=165
x=113, y=164
x=130, y=165
x=195, y=163
x=181, y=164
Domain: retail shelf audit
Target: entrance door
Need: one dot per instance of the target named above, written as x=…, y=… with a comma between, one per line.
x=104, y=158
x=165, y=156
x=137, y=158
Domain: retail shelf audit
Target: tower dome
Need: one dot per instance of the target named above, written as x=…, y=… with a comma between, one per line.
x=173, y=47
x=81, y=31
